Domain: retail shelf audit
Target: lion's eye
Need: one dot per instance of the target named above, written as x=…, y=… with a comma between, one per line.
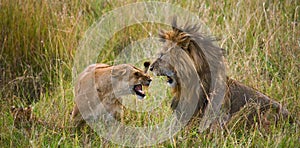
x=160, y=55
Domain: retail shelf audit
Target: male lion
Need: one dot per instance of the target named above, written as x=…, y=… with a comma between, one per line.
x=100, y=86
x=206, y=59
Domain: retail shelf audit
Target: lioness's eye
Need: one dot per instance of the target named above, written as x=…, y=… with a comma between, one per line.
x=137, y=74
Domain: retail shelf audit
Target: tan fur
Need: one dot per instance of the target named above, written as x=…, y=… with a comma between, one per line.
x=195, y=44
x=100, y=86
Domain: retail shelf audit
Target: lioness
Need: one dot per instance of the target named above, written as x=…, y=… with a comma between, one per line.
x=195, y=45
x=100, y=86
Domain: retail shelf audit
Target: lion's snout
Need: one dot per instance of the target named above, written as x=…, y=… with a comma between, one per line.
x=151, y=68
x=154, y=64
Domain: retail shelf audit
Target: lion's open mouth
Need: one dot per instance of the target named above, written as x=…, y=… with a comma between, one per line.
x=138, y=89
x=170, y=78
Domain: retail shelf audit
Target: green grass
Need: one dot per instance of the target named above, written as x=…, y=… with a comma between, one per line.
x=38, y=42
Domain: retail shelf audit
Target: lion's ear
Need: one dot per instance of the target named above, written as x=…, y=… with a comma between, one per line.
x=162, y=35
x=183, y=40
x=175, y=28
x=174, y=23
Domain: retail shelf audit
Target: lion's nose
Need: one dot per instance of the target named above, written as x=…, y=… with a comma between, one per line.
x=151, y=68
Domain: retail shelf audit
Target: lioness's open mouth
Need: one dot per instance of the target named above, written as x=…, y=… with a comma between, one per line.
x=138, y=89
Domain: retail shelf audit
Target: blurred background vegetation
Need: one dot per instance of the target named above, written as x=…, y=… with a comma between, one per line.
x=38, y=40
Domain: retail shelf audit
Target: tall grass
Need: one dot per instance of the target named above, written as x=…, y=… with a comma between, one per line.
x=39, y=38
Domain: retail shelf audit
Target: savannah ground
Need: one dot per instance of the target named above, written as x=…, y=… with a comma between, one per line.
x=38, y=42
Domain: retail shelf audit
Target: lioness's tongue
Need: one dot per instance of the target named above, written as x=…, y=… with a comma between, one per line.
x=139, y=88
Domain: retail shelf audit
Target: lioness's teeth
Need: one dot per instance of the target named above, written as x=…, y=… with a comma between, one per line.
x=140, y=91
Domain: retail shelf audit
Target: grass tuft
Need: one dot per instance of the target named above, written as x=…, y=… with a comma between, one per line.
x=39, y=39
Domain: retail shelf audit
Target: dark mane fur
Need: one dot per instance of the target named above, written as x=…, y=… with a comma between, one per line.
x=208, y=60
x=201, y=49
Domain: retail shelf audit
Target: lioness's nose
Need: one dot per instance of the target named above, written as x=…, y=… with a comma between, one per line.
x=148, y=82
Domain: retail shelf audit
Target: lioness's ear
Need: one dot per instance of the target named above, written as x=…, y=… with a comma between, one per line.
x=146, y=66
